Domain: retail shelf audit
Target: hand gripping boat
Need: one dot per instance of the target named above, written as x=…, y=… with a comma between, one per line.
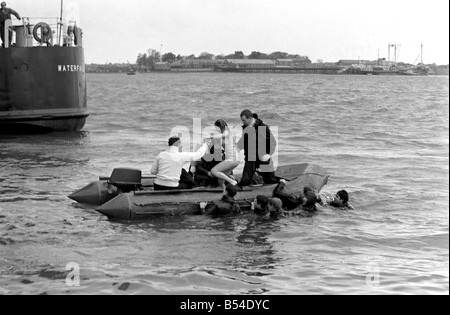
x=122, y=199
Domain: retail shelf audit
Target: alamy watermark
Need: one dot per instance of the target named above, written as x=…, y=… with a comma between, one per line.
x=259, y=144
x=73, y=278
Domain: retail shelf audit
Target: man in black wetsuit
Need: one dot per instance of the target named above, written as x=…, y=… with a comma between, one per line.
x=5, y=14
x=259, y=145
x=340, y=200
x=306, y=198
x=225, y=206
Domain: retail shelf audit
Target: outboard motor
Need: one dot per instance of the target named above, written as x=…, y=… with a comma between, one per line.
x=126, y=179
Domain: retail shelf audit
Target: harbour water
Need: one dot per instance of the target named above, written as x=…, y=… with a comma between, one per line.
x=384, y=139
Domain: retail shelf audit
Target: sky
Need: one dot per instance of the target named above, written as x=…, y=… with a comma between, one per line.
x=117, y=31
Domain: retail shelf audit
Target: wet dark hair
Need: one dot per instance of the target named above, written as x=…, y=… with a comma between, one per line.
x=263, y=201
x=222, y=124
x=173, y=140
x=311, y=201
x=276, y=203
x=247, y=114
x=343, y=195
x=231, y=191
x=255, y=116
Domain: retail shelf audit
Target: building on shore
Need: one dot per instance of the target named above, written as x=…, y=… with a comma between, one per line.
x=349, y=63
x=285, y=62
x=276, y=66
x=199, y=65
x=344, y=66
x=110, y=68
x=162, y=66
x=377, y=67
x=249, y=63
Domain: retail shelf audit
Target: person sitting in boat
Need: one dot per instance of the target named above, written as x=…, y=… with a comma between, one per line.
x=225, y=206
x=230, y=159
x=169, y=164
x=187, y=180
x=339, y=200
x=260, y=205
x=5, y=14
x=202, y=170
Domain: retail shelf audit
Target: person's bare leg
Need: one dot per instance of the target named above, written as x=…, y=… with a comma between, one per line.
x=224, y=167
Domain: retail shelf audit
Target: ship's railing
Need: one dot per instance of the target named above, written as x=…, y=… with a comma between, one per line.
x=44, y=31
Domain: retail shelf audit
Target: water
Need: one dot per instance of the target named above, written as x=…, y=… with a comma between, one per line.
x=384, y=139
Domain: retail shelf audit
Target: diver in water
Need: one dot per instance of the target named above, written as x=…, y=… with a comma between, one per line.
x=291, y=201
x=276, y=208
x=340, y=200
x=260, y=205
x=225, y=206
x=308, y=198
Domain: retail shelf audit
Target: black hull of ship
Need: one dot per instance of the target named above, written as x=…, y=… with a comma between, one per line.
x=42, y=89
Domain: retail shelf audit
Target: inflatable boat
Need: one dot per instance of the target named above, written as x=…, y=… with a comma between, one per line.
x=126, y=196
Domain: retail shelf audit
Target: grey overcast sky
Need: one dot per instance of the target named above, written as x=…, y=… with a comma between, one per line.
x=116, y=31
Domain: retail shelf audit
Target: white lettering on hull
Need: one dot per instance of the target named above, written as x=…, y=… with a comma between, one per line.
x=70, y=68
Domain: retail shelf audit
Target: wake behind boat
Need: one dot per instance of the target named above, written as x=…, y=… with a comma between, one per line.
x=127, y=196
x=42, y=77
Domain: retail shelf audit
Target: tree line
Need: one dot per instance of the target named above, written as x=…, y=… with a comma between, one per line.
x=152, y=56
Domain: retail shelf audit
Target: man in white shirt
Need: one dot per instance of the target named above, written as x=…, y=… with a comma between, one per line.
x=169, y=164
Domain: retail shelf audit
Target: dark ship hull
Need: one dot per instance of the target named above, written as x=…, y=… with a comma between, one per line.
x=42, y=88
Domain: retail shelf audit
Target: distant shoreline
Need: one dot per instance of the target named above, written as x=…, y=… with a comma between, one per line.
x=328, y=70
